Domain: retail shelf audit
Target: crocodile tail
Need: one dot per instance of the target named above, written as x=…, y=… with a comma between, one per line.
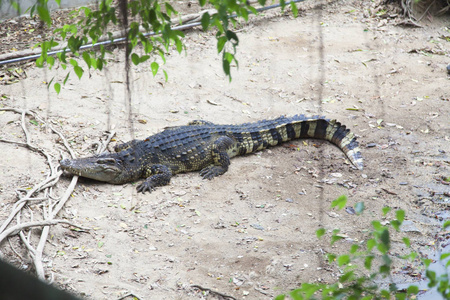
x=260, y=135
x=336, y=133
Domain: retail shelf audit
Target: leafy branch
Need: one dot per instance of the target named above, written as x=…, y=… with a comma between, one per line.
x=152, y=28
x=360, y=258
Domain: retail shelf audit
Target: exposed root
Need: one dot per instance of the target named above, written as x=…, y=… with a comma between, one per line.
x=51, y=206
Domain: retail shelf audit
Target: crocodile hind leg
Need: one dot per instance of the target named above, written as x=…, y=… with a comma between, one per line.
x=220, y=158
x=157, y=175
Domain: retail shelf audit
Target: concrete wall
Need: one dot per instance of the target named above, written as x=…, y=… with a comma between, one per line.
x=7, y=11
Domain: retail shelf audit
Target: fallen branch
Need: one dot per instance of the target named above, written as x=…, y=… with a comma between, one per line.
x=212, y=292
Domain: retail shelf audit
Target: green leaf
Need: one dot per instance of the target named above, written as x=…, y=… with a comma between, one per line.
x=347, y=277
x=170, y=9
x=44, y=14
x=427, y=262
x=50, y=83
x=384, y=269
x=202, y=2
x=144, y=58
x=431, y=275
x=396, y=224
x=368, y=262
x=79, y=71
x=220, y=44
x=40, y=62
x=343, y=260
x=446, y=224
x=385, y=294
x=280, y=297
x=135, y=59
x=294, y=9
x=205, y=21
x=400, y=214
x=57, y=87
x=385, y=210
x=165, y=75
x=359, y=208
x=377, y=225
x=179, y=45
x=67, y=77
x=385, y=238
x=407, y=242
x=412, y=289
x=335, y=238
x=340, y=202
x=320, y=232
x=232, y=37
x=50, y=61
x=73, y=62
x=331, y=258
x=154, y=66
x=87, y=58
x=393, y=287
x=354, y=248
x=445, y=255
x=226, y=66
x=370, y=244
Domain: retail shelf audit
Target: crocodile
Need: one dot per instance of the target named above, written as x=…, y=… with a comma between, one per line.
x=206, y=147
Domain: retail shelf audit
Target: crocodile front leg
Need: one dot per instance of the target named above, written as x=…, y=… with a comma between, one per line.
x=157, y=175
x=220, y=158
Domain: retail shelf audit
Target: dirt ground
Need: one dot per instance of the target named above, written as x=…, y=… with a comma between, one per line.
x=249, y=233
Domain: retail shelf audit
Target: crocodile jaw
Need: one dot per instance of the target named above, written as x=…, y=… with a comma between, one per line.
x=102, y=168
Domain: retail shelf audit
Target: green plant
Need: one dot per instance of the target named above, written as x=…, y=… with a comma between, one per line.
x=364, y=263
x=132, y=16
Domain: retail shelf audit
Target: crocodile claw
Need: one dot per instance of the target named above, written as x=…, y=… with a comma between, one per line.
x=211, y=171
x=145, y=187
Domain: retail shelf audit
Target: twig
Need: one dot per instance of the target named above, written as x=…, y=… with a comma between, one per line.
x=212, y=292
x=16, y=229
x=35, y=189
x=14, y=250
x=30, y=248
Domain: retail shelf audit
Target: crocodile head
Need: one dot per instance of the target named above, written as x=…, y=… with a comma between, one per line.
x=106, y=167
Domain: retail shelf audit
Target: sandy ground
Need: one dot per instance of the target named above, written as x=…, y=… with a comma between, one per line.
x=250, y=233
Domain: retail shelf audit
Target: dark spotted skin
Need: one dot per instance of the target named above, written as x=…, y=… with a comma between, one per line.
x=205, y=147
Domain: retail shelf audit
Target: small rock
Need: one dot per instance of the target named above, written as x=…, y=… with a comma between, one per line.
x=257, y=226
x=371, y=145
x=333, y=214
x=408, y=226
x=179, y=193
x=448, y=69
x=337, y=175
x=290, y=200
x=403, y=183
x=350, y=210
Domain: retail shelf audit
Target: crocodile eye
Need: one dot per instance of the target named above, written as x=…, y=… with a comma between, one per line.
x=106, y=161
